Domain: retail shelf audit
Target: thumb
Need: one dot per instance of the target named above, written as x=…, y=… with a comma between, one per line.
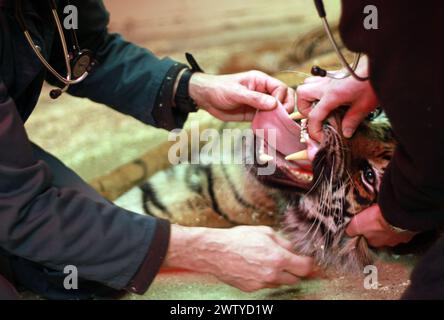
x=257, y=100
x=353, y=227
x=352, y=119
x=364, y=221
x=284, y=243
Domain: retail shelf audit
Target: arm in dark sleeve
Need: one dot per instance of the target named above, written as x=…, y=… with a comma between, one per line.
x=412, y=192
x=128, y=78
x=60, y=226
x=408, y=82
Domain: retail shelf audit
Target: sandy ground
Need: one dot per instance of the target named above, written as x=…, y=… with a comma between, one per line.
x=392, y=281
x=225, y=36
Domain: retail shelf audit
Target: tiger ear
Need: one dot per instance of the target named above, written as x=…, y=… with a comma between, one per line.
x=375, y=114
x=381, y=121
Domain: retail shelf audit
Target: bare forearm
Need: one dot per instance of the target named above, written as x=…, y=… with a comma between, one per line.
x=248, y=258
x=185, y=243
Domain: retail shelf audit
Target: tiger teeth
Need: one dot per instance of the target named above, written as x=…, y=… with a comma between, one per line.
x=302, y=176
x=304, y=137
x=297, y=116
x=301, y=155
x=264, y=158
x=304, y=131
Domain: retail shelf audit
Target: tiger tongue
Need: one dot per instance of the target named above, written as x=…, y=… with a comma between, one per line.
x=287, y=131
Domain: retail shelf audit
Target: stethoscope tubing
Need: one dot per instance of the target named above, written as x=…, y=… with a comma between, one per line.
x=67, y=81
x=349, y=70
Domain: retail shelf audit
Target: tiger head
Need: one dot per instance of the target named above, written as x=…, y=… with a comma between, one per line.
x=347, y=175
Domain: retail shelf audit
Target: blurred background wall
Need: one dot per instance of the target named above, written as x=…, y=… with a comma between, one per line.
x=224, y=35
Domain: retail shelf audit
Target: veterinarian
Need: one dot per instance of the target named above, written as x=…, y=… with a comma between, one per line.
x=51, y=219
x=404, y=68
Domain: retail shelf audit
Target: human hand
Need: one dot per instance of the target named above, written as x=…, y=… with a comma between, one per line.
x=331, y=94
x=236, y=97
x=246, y=257
x=371, y=224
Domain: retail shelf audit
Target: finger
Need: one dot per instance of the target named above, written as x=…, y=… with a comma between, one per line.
x=306, y=95
x=298, y=265
x=249, y=116
x=272, y=84
x=319, y=113
x=256, y=100
x=280, y=94
x=285, y=278
x=290, y=101
x=362, y=221
x=383, y=240
x=251, y=286
x=265, y=230
x=353, y=229
x=315, y=130
x=225, y=115
x=400, y=238
x=312, y=148
x=394, y=242
x=270, y=285
x=248, y=113
x=284, y=243
x=261, y=82
x=352, y=119
x=388, y=239
x=315, y=79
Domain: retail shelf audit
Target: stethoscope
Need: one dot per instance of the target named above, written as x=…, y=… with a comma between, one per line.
x=78, y=61
x=349, y=70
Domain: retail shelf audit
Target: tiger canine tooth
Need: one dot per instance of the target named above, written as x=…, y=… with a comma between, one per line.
x=263, y=158
x=301, y=155
x=297, y=116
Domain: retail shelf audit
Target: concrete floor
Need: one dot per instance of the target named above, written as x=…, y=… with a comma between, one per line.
x=225, y=36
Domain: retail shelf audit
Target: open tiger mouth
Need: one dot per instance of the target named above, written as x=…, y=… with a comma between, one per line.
x=289, y=173
x=278, y=131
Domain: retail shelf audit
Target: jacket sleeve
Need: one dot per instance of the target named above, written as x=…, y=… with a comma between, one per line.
x=408, y=82
x=128, y=78
x=59, y=226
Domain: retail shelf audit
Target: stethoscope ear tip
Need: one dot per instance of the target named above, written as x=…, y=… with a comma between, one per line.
x=55, y=93
x=318, y=71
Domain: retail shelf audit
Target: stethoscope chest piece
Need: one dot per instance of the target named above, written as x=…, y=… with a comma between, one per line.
x=82, y=63
x=78, y=63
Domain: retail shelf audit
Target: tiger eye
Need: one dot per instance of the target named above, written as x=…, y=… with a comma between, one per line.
x=369, y=175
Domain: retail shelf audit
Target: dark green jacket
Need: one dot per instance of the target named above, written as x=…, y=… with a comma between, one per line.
x=56, y=226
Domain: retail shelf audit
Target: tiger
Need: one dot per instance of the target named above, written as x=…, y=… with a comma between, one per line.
x=346, y=178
